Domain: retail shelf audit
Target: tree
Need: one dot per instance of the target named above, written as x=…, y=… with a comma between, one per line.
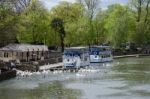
x=91, y=7
x=119, y=24
x=74, y=22
x=141, y=9
x=58, y=25
x=99, y=22
x=33, y=24
x=17, y=5
x=8, y=28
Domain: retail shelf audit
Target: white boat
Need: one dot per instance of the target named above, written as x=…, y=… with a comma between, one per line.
x=76, y=57
x=100, y=54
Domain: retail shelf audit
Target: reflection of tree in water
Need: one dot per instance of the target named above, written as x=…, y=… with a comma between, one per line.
x=53, y=91
x=133, y=70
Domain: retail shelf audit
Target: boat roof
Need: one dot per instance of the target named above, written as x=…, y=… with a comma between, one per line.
x=75, y=48
x=101, y=46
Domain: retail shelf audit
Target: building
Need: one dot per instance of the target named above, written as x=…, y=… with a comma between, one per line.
x=23, y=52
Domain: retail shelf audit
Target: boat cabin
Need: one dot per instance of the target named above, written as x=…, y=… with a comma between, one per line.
x=100, y=54
x=76, y=57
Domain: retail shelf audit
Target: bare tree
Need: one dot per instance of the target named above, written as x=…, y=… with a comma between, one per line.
x=91, y=6
x=16, y=5
x=147, y=10
x=137, y=4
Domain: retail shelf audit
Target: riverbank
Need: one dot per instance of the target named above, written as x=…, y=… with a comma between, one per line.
x=132, y=55
x=7, y=74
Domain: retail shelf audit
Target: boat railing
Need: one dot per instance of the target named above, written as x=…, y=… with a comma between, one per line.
x=100, y=53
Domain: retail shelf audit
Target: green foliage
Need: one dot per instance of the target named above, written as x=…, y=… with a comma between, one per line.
x=99, y=28
x=7, y=24
x=34, y=24
x=77, y=33
x=82, y=24
x=58, y=25
x=142, y=15
x=119, y=24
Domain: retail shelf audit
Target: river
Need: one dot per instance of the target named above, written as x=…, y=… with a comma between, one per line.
x=126, y=78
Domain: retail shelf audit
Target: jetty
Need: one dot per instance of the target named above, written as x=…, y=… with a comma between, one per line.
x=51, y=66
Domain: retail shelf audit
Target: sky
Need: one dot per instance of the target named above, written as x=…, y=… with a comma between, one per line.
x=104, y=3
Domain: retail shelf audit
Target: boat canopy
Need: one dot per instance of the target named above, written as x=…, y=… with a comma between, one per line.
x=73, y=51
x=96, y=50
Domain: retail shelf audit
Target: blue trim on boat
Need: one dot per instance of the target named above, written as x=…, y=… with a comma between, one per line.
x=102, y=62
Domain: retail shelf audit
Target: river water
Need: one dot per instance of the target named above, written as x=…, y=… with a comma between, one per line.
x=126, y=78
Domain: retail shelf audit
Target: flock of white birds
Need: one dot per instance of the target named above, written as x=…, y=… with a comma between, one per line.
x=47, y=72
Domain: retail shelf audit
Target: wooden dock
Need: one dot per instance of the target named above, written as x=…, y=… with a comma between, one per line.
x=51, y=66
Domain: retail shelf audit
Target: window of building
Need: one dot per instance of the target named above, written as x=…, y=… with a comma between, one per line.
x=7, y=55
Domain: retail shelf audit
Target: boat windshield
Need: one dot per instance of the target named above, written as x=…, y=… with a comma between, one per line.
x=100, y=50
x=72, y=53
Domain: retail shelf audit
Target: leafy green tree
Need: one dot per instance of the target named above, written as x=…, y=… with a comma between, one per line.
x=8, y=20
x=73, y=16
x=58, y=25
x=99, y=22
x=118, y=24
x=141, y=9
x=91, y=7
x=33, y=25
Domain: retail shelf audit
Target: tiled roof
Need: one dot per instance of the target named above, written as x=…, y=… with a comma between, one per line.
x=24, y=47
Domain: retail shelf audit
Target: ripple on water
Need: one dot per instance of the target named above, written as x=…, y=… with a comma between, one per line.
x=125, y=79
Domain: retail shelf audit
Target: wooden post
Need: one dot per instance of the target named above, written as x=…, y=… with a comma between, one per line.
x=28, y=55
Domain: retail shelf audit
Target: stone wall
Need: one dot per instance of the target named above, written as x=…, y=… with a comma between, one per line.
x=7, y=74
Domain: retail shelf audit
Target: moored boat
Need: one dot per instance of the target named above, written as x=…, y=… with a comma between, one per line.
x=100, y=54
x=76, y=57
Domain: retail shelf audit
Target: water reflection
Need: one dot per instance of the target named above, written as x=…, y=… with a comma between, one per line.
x=55, y=90
x=122, y=79
x=133, y=70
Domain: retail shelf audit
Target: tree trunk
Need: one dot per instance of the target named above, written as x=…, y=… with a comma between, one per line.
x=147, y=11
x=139, y=10
x=62, y=44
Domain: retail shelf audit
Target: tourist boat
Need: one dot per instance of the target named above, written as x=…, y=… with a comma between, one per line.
x=76, y=57
x=100, y=54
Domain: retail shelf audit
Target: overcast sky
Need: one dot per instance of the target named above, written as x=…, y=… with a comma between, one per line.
x=104, y=3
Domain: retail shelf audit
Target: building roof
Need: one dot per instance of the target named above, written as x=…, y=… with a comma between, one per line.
x=24, y=47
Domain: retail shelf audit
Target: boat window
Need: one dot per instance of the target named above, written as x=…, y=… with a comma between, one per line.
x=95, y=56
x=85, y=59
x=102, y=56
x=75, y=55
